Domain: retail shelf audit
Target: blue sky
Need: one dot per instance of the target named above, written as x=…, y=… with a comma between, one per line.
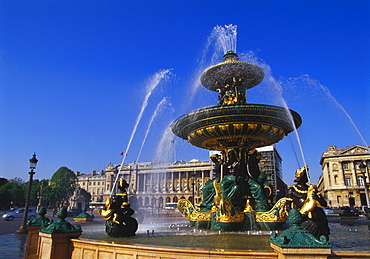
x=74, y=74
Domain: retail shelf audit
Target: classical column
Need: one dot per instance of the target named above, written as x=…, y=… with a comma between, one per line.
x=187, y=181
x=202, y=178
x=180, y=182
x=341, y=172
x=144, y=183
x=172, y=182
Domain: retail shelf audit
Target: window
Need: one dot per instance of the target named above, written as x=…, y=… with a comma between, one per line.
x=357, y=165
x=348, y=181
x=345, y=165
x=360, y=181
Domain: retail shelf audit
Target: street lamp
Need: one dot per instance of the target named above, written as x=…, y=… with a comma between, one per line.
x=363, y=168
x=23, y=228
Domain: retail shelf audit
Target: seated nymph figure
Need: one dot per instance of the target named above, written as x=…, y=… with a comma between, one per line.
x=308, y=201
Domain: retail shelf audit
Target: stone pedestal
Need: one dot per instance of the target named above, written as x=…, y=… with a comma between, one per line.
x=32, y=242
x=299, y=253
x=56, y=246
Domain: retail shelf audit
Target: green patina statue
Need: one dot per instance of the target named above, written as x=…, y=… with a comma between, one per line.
x=41, y=220
x=309, y=201
x=61, y=226
x=296, y=236
x=117, y=214
x=84, y=216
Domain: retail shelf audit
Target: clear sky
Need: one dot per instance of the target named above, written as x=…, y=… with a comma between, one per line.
x=74, y=73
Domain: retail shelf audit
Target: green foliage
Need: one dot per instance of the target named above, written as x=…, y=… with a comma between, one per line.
x=3, y=181
x=12, y=194
x=63, y=183
x=55, y=192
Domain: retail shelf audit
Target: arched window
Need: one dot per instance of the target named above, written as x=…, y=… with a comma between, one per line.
x=160, y=202
x=335, y=179
x=146, y=202
x=154, y=200
x=175, y=199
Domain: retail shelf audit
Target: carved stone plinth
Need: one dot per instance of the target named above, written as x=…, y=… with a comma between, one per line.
x=56, y=246
x=32, y=242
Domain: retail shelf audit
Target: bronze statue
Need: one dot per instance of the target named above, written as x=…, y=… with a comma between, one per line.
x=117, y=214
x=309, y=201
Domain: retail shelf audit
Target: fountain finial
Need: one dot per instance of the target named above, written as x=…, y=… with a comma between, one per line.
x=230, y=55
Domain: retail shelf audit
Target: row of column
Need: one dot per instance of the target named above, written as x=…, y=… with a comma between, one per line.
x=170, y=181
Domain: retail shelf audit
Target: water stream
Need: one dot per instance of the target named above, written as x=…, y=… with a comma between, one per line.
x=153, y=83
x=276, y=90
x=314, y=89
x=156, y=112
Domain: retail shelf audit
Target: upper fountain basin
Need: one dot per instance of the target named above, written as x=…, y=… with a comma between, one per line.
x=244, y=75
x=237, y=126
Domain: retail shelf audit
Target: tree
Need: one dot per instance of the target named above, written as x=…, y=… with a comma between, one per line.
x=3, y=181
x=12, y=194
x=63, y=183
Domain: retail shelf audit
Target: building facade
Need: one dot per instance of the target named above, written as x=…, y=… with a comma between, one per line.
x=156, y=185
x=342, y=182
x=271, y=165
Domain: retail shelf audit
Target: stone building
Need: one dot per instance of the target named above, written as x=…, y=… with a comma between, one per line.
x=156, y=185
x=341, y=181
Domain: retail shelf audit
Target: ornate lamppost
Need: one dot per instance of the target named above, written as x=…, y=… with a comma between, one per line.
x=23, y=228
x=363, y=169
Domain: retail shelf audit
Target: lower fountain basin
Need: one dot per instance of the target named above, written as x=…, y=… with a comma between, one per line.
x=236, y=126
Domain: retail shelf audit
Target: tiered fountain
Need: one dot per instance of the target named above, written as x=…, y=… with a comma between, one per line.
x=239, y=195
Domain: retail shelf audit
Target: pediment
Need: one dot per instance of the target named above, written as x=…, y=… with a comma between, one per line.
x=354, y=150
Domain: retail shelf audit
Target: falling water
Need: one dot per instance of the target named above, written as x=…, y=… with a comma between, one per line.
x=165, y=149
x=158, y=109
x=221, y=39
x=317, y=87
x=277, y=89
x=224, y=39
x=153, y=83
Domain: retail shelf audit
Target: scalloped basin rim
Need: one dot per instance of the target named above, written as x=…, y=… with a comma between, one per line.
x=203, y=125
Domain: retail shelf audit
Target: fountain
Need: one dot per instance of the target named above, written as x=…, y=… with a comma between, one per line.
x=238, y=199
x=239, y=195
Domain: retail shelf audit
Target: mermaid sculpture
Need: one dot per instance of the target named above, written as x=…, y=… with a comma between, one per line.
x=117, y=214
x=308, y=201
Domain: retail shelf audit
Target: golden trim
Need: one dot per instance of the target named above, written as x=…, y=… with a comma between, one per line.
x=278, y=213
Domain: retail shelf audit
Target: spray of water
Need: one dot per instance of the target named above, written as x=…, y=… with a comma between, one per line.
x=320, y=91
x=277, y=92
x=157, y=111
x=153, y=83
x=166, y=147
x=221, y=39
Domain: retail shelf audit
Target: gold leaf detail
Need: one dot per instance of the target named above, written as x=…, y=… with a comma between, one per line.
x=238, y=126
x=211, y=129
x=252, y=126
